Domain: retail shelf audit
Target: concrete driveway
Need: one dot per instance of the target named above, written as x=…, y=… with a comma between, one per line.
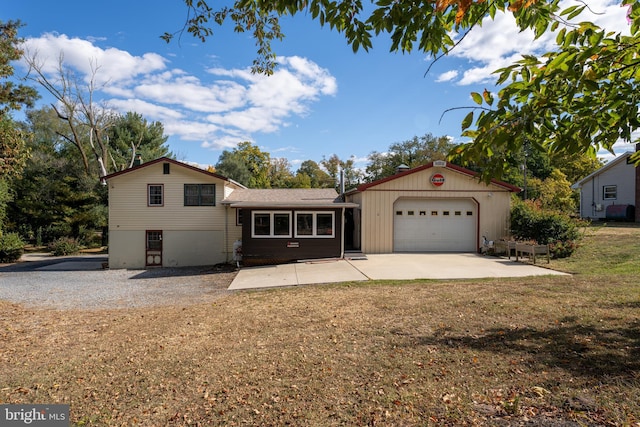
x=386, y=267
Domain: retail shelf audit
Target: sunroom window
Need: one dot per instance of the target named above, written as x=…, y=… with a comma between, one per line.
x=315, y=224
x=271, y=224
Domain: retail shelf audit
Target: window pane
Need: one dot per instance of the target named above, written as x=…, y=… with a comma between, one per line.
x=191, y=195
x=610, y=192
x=281, y=224
x=261, y=224
x=304, y=224
x=154, y=240
x=208, y=194
x=155, y=195
x=324, y=224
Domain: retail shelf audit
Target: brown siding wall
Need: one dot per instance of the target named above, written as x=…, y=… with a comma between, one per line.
x=264, y=251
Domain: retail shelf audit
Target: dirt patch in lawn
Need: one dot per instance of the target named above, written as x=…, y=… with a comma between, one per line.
x=545, y=351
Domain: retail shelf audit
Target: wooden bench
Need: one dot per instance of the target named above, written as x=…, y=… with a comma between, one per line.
x=532, y=251
x=505, y=246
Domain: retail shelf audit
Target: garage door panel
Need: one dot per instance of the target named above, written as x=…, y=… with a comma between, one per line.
x=441, y=225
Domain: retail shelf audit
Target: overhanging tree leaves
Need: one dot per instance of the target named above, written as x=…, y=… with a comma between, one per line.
x=579, y=98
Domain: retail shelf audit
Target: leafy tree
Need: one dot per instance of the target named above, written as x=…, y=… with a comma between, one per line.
x=579, y=97
x=131, y=135
x=301, y=180
x=54, y=196
x=280, y=175
x=316, y=176
x=413, y=152
x=13, y=140
x=232, y=165
x=576, y=167
x=351, y=176
x=553, y=193
x=246, y=164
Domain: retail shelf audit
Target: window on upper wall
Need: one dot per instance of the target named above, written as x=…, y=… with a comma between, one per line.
x=155, y=195
x=609, y=192
x=314, y=224
x=199, y=194
x=270, y=224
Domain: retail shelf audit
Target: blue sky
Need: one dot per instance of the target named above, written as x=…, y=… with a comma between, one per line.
x=322, y=100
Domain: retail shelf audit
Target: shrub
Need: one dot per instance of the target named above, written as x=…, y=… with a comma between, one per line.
x=560, y=231
x=11, y=247
x=64, y=246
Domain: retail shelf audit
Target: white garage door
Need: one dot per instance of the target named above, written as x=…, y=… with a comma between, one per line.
x=435, y=225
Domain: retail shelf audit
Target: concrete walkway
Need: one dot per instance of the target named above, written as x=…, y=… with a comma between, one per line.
x=386, y=267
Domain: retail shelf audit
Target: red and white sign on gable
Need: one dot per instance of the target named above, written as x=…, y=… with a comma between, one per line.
x=437, y=179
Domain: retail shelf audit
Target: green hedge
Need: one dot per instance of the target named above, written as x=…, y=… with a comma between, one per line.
x=560, y=231
x=11, y=247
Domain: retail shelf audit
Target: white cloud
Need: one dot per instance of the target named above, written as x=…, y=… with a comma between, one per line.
x=113, y=65
x=447, y=76
x=220, y=107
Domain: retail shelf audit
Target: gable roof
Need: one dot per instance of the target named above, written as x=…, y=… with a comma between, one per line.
x=285, y=197
x=606, y=167
x=172, y=161
x=437, y=164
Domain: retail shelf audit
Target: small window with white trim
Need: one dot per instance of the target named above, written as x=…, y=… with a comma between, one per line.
x=270, y=224
x=609, y=192
x=155, y=195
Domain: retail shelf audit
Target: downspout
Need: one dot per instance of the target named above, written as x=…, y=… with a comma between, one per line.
x=342, y=235
x=226, y=232
x=342, y=199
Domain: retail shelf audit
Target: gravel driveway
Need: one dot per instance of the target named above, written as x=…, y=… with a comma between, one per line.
x=81, y=283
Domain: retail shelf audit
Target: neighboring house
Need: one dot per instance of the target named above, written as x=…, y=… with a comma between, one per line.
x=438, y=207
x=611, y=192
x=284, y=225
x=167, y=213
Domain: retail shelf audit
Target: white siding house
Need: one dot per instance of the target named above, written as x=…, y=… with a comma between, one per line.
x=166, y=213
x=610, y=190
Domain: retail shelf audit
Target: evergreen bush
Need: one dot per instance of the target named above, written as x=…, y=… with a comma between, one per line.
x=64, y=246
x=11, y=247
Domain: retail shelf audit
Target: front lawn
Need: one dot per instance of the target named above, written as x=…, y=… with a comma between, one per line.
x=540, y=351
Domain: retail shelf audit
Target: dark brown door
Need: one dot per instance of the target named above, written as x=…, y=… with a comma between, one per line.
x=154, y=248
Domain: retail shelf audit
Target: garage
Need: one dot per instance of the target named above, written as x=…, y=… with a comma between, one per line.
x=435, y=225
x=437, y=207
